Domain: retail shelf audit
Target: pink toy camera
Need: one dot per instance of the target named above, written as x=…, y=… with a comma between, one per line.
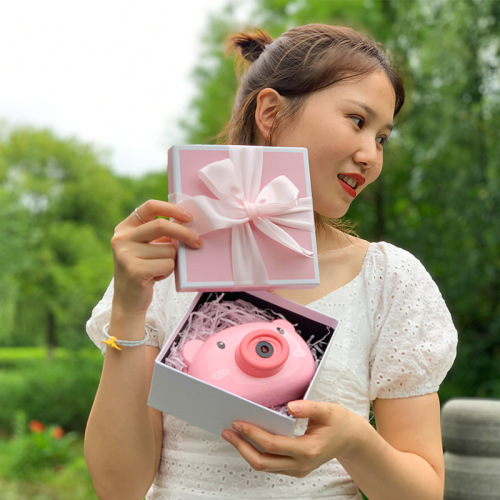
x=265, y=362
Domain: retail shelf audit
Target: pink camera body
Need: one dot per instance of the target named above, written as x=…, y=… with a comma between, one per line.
x=265, y=362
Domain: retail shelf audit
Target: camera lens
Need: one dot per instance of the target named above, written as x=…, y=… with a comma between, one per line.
x=264, y=349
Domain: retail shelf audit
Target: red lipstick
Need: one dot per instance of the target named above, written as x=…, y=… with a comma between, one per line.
x=349, y=183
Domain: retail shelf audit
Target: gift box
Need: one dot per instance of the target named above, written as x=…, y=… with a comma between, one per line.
x=253, y=207
x=214, y=409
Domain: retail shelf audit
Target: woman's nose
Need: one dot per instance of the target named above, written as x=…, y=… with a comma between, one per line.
x=367, y=154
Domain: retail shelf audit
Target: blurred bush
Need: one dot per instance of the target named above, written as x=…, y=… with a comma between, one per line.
x=41, y=462
x=54, y=391
x=34, y=447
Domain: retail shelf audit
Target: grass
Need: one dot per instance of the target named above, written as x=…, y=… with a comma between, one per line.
x=65, y=484
x=22, y=353
x=31, y=354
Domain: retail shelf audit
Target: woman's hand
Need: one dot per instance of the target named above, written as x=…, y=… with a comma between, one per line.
x=144, y=249
x=331, y=433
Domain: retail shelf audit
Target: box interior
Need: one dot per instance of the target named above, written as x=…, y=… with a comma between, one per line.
x=313, y=332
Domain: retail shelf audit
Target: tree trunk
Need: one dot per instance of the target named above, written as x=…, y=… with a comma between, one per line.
x=379, y=211
x=51, y=334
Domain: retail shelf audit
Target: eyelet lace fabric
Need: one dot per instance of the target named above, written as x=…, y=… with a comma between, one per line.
x=395, y=339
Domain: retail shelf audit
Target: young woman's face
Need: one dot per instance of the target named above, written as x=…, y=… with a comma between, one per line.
x=344, y=127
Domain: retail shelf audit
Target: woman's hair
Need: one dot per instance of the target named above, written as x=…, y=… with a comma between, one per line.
x=299, y=62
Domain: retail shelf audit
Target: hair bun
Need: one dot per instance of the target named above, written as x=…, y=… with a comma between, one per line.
x=251, y=45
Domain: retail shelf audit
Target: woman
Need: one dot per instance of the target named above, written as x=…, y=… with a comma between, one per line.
x=334, y=92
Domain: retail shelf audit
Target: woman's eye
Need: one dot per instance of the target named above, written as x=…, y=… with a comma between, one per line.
x=382, y=140
x=358, y=120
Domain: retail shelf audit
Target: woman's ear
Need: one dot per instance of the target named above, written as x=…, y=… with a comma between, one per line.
x=265, y=112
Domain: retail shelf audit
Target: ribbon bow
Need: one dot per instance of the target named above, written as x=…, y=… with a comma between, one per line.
x=240, y=204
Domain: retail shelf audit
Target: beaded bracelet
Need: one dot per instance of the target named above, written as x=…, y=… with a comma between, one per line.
x=115, y=343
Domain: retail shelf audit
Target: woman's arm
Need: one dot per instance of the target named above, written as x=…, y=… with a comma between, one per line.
x=124, y=437
x=404, y=459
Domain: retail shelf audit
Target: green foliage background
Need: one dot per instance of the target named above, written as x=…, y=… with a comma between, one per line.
x=438, y=196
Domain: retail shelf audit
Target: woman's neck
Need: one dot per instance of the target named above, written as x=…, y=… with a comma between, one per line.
x=340, y=259
x=329, y=238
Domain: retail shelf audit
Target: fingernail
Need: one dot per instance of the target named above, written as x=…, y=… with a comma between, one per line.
x=294, y=407
x=187, y=217
x=199, y=242
x=227, y=436
x=237, y=426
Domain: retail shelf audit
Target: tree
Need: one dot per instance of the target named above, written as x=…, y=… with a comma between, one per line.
x=14, y=225
x=211, y=107
x=66, y=202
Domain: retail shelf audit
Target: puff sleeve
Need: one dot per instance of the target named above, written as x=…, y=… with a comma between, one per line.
x=165, y=311
x=415, y=339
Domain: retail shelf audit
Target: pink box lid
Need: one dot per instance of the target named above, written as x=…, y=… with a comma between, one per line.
x=210, y=268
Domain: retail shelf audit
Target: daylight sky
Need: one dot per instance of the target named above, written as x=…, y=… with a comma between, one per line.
x=111, y=72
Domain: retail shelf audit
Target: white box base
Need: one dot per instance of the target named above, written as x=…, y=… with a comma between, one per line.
x=214, y=409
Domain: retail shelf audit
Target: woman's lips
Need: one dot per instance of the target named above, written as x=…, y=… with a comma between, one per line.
x=349, y=183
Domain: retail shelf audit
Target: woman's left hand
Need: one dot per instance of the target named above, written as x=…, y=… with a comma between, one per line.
x=332, y=432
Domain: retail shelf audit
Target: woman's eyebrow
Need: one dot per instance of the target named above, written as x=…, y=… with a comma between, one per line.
x=369, y=110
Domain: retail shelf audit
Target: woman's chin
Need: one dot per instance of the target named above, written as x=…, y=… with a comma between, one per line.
x=331, y=213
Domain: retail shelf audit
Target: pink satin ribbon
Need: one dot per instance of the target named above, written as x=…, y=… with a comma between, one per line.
x=242, y=205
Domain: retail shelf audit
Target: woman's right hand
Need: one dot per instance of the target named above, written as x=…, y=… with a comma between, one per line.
x=144, y=252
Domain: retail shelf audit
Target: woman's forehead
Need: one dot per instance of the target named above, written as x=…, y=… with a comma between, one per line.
x=373, y=93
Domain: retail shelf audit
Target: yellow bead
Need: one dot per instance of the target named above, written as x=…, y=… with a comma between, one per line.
x=112, y=342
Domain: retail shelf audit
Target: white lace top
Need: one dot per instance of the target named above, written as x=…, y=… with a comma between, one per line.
x=395, y=339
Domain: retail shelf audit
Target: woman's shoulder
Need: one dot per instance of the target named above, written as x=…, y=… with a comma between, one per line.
x=390, y=271
x=388, y=260
x=389, y=252
x=411, y=323
x=396, y=280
